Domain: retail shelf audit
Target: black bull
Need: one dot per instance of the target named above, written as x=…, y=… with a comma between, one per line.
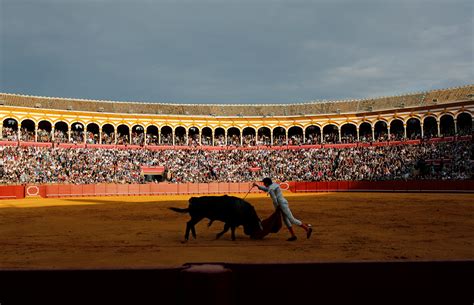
x=231, y=210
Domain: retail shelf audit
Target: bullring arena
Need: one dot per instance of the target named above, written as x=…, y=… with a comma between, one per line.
x=138, y=232
x=385, y=182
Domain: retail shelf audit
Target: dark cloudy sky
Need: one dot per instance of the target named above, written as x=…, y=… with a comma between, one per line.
x=259, y=51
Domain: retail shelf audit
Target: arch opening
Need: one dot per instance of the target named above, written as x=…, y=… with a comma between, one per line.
x=27, y=131
x=295, y=135
x=312, y=135
x=44, y=131
x=330, y=134
x=123, y=135
x=92, y=135
x=152, y=135
x=108, y=134
x=348, y=133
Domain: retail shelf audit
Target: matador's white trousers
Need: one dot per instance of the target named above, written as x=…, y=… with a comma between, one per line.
x=288, y=217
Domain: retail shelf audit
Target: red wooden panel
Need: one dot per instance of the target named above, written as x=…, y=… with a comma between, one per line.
x=122, y=189
x=157, y=189
x=380, y=185
x=400, y=185
x=429, y=185
x=43, y=191
x=246, y=186
x=52, y=190
x=64, y=190
x=100, y=190
x=332, y=185
x=76, y=190
x=355, y=185
x=19, y=191
x=183, y=188
x=342, y=185
x=317, y=186
x=134, y=189
x=233, y=187
x=321, y=186
x=111, y=189
x=469, y=185
x=193, y=188
x=223, y=188
x=213, y=188
x=169, y=188
x=89, y=189
x=144, y=189
x=12, y=192
x=203, y=188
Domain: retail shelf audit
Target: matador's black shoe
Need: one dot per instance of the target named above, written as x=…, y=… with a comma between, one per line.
x=309, y=232
x=292, y=238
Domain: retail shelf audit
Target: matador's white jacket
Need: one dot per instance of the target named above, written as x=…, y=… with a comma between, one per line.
x=276, y=194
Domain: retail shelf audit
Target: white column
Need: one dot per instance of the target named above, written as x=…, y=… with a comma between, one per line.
x=36, y=133
x=339, y=131
x=405, y=130
x=439, y=128
x=422, y=131
x=358, y=134
x=271, y=137
x=100, y=134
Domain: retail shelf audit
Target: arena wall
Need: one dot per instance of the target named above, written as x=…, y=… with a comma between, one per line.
x=82, y=190
x=12, y=192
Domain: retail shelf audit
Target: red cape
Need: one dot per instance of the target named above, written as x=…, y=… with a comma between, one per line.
x=270, y=225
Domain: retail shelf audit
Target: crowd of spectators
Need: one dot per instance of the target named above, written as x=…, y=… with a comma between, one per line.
x=444, y=160
x=247, y=140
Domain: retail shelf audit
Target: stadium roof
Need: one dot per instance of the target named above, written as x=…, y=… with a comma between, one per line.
x=440, y=96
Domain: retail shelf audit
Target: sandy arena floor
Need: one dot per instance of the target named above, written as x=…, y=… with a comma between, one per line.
x=128, y=232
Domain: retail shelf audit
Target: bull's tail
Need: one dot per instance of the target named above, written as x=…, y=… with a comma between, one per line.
x=180, y=210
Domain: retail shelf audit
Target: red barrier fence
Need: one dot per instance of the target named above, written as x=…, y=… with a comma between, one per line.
x=12, y=192
x=388, y=186
x=72, y=190
x=80, y=190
